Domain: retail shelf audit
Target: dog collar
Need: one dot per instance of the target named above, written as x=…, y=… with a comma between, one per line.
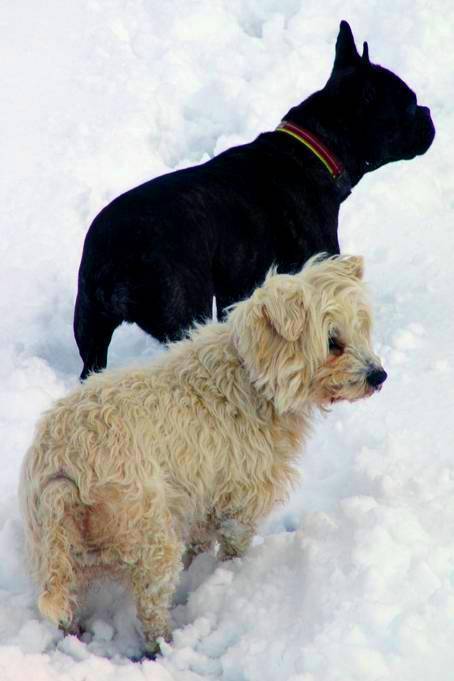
x=331, y=163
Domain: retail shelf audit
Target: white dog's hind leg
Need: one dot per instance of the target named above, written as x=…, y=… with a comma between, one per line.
x=154, y=578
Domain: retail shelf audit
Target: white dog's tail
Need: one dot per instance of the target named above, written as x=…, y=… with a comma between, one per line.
x=54, y=519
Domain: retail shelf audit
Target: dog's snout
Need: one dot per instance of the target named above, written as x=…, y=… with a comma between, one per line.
x=425, y=126
x=376, y=377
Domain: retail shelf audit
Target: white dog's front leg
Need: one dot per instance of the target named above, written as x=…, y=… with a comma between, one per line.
x=234, y=536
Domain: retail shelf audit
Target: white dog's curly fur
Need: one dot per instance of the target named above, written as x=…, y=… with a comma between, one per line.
x=135, y=466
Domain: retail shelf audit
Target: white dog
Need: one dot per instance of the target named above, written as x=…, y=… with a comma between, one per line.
x=136, y=466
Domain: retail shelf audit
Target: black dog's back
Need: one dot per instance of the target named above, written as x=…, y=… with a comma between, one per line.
x=158, y=254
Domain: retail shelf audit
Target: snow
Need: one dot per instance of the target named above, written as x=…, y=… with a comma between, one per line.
x=353, y=580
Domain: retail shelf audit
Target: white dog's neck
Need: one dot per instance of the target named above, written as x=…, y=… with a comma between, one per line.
x=227, y=382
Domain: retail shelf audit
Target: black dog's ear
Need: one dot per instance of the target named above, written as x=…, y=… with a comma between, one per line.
x=365, y=54
x=346, y=52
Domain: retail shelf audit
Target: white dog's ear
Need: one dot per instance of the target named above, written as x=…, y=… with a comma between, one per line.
x=282, y=306
x=354, y=266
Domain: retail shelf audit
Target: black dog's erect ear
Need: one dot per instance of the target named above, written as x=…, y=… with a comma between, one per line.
x=365, y=54
x=346, y=52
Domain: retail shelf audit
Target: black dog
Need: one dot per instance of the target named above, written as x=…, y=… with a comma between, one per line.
x=159, y=253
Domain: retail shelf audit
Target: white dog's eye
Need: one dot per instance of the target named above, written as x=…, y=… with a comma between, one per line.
x=335, y=346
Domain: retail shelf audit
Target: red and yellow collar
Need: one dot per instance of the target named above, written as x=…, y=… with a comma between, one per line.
x=331, y=163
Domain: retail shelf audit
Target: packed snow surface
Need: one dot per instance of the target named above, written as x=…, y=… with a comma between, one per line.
x=353, y=580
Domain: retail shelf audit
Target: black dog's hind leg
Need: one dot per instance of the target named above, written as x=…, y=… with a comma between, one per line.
x=93, y=332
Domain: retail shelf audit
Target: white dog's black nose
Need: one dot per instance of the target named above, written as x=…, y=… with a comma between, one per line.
x=375, y=377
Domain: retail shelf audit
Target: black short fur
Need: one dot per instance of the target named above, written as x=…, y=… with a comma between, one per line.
x=157, y=254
